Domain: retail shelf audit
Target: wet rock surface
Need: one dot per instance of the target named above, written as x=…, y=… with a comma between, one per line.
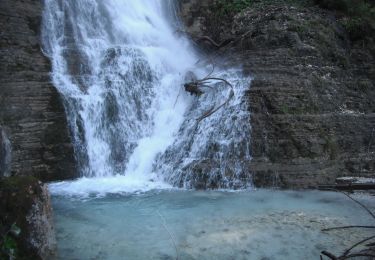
x=5, y=154
x=25, y=203
x=30, y=107
x=311, y=98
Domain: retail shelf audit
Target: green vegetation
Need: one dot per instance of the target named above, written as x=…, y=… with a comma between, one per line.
x=17, y=196
x=330, y=147
x=8, y=243
x=356, y=16
x=231, y=7
x=352, y=7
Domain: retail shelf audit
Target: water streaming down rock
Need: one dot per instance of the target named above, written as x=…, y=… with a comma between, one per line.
x=120, y=66
x=5, y=154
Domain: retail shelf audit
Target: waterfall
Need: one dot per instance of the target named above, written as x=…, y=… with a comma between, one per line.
x=120, y=67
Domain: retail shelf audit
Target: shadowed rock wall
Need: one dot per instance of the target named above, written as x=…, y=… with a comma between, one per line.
x=31, y=112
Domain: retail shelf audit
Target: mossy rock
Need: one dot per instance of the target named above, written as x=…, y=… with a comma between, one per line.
x=18, y=196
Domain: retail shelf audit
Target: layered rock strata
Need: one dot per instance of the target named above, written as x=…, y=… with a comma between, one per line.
x=313, y=90
x=31, y=112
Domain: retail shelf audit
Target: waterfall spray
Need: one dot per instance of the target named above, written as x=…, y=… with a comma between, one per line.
x=119, y=66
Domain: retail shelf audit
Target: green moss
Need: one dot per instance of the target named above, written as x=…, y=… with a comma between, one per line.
x=351, y=7
x=330, y=147
x=356, y=27
x=225, y=7
x=17, y=182
x=364, y=85
x=8, y=244
x=356, y=16
x=17, y=196
x=231, y=7
x=285, y=109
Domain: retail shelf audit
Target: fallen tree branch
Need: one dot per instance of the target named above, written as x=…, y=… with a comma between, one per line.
x=179, y=92
x=194, y=87
x=357, y=244
x=356, y=255
x=348, y=187
x=346, y=254
x=211, y=111
x=356, y=201
x=329, y=255
x=346, y=227
x=214, y=43
x=169, y=232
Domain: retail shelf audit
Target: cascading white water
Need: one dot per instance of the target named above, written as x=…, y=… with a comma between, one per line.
x=120, y=68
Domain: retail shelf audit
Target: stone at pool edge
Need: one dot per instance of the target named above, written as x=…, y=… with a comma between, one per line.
x=26, y=202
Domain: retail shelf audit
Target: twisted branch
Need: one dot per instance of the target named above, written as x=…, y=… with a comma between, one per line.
x=169, y=232
x=346, y=254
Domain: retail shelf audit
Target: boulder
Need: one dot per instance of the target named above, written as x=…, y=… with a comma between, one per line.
x=26, y=211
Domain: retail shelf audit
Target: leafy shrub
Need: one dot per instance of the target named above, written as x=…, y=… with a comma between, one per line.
x=358, y=16
x=8, y=244
x=340, y=5
x=362, y=8
x=229, y=7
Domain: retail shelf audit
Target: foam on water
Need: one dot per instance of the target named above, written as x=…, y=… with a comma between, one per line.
x=102, y=186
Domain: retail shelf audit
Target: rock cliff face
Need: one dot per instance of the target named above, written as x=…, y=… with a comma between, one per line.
x=31, y=113
x=313, y=90
x=25, y=204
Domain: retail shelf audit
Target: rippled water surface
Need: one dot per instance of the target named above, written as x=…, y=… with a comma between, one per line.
x=172, y=224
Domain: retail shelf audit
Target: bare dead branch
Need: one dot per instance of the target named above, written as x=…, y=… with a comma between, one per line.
x=356, y=255
x=214, y=43
x=346, y=227
x=169, y=232
x=346, y=254
x=193, y=88
x=179, y=92
x=210, y=112
x=357, y=244
x=213, y=110
x=212, y=71
x=329, y=255
x=356, y=201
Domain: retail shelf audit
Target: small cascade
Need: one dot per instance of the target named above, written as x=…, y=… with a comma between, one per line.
x=5, y=154
x=120, y=68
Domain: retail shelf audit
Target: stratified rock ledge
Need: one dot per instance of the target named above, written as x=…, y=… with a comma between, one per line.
x=313, y=90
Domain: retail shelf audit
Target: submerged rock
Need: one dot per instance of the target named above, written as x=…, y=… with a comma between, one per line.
x=26, y=207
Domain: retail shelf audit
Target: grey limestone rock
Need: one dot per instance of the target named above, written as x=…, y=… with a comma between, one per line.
x=313, y=90
x=30, y=106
